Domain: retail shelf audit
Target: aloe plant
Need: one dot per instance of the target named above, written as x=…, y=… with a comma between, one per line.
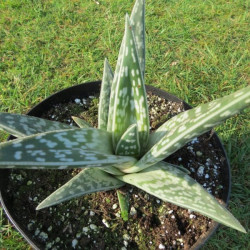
x=121, y=150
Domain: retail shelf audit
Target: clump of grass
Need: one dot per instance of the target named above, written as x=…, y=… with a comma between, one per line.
x=9, y=237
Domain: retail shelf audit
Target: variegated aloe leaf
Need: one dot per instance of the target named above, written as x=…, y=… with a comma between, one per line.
x=80, y=122
x=138, y=25
x=103, y=109
x=130, y=103
x=89, y=180
x=60, y=159
x=129, y=143
x=198, y=113
x=138, y=14
x=79, y=138
x=113, y=87
x=22, y=125
x=64, y=148
x=193, y=123
x=170, y=184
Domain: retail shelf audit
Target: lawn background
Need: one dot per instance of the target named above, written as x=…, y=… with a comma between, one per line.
x=196, y=49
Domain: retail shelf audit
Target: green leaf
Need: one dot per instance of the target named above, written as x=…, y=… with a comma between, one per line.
x=62, y=149
x=80, y=122
x=113, y=87
x=112, y=170
x=22, y=125
x=129, y=144
x=190, y=124
x=140, y=40
x=90, y=139
x=138, y=25
x=103, y=109
x=130, y=103
x=124, y=205
x=60, y=159
x=170, y=184
x=181, y=168
x=201, y=112
x=89, y=180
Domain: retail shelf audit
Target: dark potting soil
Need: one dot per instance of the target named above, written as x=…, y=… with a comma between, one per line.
x=94, y=221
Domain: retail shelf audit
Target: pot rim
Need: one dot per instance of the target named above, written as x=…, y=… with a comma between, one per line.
x=85, y=89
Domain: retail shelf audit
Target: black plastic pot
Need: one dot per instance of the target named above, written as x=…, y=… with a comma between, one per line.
x=83, y=91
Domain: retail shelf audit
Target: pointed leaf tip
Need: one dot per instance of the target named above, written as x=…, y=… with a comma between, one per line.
x=129, y=144
x=138, y=25
x=182, y=128
x=23, y=125
x=130, y=102
x=104, y=100
x=173, y=185
x=80, y=122
x=87, y=181
x=62, y=149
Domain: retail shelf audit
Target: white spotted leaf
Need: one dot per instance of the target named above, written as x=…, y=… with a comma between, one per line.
x=138, y=15
x=80, y=122
x=113, y=87
x=233, y=102
x=62, y=159
x=130, y=103
x=62, y=149
x=88, y=181
x=173, y=185
x=129, y=143
x=22, y=125
x=190, y=124
x=138, y=25
x=103, y=109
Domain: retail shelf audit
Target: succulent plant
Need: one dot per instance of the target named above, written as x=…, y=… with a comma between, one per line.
x=121, y=150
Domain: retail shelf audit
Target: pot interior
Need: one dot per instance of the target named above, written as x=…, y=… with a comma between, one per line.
x=79, y=92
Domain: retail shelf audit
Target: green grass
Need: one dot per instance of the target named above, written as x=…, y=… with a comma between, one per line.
x=197, y=50
x=10, y=239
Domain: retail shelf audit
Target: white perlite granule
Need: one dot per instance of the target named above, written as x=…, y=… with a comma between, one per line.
x=161, y=246
x=74, y=243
